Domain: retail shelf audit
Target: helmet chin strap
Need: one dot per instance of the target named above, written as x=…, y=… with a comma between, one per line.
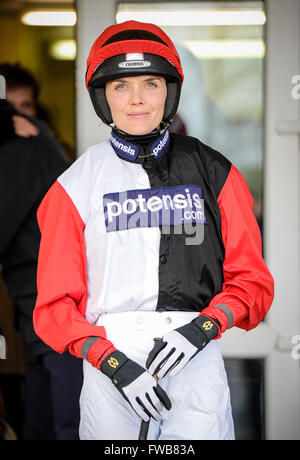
x=143, y=137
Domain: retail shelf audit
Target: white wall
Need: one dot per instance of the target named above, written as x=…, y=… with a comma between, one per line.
x=93, y=17
x=282, y=216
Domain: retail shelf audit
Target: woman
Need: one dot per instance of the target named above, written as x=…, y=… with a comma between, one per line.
x=148, y=235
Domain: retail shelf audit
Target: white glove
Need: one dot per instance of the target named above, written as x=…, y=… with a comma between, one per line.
x=136, y=385
x=175, y=349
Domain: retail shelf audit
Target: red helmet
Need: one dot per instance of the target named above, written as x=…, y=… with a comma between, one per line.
x=133, y=48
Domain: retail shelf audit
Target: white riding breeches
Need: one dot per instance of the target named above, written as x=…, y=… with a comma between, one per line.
x=199, y=394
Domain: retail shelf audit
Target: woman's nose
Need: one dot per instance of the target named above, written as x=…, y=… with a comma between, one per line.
x=136, y=96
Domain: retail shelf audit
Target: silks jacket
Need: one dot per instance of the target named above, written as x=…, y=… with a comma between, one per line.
x=169, y=228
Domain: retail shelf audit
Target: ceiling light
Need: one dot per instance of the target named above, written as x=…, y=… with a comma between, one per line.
x=226, y=49
x=64, y=50
x=49, y=18
x=196, y=17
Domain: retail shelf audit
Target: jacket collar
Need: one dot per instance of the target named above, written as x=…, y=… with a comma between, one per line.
x=133, y=151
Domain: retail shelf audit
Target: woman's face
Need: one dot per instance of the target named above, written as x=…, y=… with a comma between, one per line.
x=22, y=99
x=137, y=103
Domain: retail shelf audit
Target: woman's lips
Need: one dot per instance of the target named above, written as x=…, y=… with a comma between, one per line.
x=138, y=115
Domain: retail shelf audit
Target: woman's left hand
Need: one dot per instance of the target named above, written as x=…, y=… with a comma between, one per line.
x=175, y=349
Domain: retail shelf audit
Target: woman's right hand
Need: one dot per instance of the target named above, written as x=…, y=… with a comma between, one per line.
x=136, y=385
x=23, y=127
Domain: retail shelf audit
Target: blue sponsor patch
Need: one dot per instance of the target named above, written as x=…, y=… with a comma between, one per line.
x=160, y=145
x=130, y=151
x=162, y=206
x=123, y=148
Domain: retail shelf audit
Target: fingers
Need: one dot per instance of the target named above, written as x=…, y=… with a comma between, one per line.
x=150, y=406
x=159, y=345
x=165, y=361
x=155, y=401
x=146, y=397
x=162, y=395
x=152, y=402
x=162, y=355
x=179, y=365
x=23, y=127
x=139, y=409
x=171, y=363
x=170, y=354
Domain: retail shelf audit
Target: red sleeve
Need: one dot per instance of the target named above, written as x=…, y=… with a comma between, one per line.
x=59, y=312
x=248, y=287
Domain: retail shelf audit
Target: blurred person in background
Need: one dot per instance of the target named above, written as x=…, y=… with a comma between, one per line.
x=23, y=91
x=30, y=161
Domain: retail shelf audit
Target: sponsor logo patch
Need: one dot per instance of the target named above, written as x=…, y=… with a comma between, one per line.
x=130, y=151
x=162, y=206
x=158, y=147
x=134, y=64
x=124, y=148
x=133, y=61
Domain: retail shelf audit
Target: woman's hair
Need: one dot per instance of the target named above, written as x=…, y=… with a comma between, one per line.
x=17, y=76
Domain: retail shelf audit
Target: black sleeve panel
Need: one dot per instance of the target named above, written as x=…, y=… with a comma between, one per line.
x=216, y=165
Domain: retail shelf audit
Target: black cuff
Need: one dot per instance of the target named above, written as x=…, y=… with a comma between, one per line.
x=112, y=363
x=208, y=326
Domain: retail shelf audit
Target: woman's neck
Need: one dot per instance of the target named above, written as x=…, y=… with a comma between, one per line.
x=144, y=140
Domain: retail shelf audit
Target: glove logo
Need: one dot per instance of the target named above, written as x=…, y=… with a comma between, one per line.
x=113, y=362
x=207, y=325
